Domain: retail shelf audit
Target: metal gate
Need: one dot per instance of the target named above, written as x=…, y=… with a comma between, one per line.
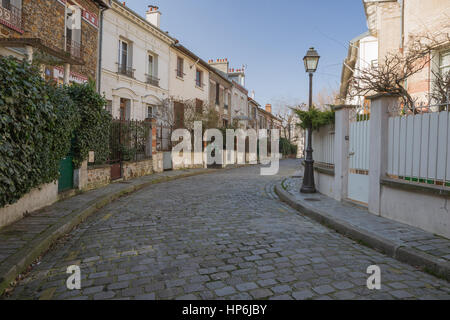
x=115, y=145
x=358, y=175
x=65, y=181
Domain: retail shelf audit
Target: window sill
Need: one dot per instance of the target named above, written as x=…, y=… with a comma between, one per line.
x=180, y=78
x=200, y=88
x=126, y=76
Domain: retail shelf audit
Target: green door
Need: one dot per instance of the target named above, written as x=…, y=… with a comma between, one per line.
x=66, y=174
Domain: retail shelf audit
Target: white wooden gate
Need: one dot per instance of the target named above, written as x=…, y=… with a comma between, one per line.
x=358, y=176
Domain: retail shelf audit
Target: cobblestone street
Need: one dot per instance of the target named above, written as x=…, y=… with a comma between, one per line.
x=223, y=235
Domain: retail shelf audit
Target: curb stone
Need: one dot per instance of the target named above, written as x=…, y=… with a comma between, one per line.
x=411, y=256
x=19, y=261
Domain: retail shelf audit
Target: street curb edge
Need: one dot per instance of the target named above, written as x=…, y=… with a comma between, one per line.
x=411, y=256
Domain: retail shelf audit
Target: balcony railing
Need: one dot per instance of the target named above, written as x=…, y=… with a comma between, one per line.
x=126, y=70
x=153, y=81
x=11, y=16
x=73, y=48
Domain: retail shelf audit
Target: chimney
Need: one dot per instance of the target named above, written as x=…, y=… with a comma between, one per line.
x=269, y=108
x=220, y=64
x=154, y=16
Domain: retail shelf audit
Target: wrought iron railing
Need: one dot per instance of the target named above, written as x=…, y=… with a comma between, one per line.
x=125, y=70
x=153, y=80
x=74, y=48
x=11, y=16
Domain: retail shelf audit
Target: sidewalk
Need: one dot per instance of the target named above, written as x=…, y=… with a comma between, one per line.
x=400, y=241
x=26, y=240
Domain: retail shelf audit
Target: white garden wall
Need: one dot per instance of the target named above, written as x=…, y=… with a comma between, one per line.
x=428, y=212
x=37, y=199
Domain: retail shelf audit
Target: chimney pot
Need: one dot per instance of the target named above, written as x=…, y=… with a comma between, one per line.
x=154, y=16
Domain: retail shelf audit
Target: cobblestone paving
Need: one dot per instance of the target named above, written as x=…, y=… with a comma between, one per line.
x=396, y=232
x=218, y=236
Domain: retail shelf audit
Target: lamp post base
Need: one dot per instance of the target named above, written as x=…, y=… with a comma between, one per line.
x=308, y=178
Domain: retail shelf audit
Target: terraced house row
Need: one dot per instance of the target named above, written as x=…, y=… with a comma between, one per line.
x=143, y=71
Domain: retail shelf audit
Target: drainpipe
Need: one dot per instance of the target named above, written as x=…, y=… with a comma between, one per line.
x=402, y=43
x=100, y=50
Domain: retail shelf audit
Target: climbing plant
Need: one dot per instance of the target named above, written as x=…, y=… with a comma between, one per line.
x=315, y=117
x=37, y=120
x=40, y=123
x=95, y=123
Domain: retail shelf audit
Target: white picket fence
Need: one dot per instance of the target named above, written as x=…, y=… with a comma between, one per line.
x=323, y=144
x=419, y=147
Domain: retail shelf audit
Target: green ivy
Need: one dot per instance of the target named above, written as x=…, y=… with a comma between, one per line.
x=40, y=123
x=36, y=124
x=94, y=129
x=315, y=117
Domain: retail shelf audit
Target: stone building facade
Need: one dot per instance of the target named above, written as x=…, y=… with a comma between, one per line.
x=220, y=90
x=62, y=35
x=188, y=83
x=135, y=63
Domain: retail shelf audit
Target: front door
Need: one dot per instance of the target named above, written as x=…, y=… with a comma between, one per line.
x=65, y=181
x=358, y=176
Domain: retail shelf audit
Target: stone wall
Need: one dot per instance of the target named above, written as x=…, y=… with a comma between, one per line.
x=89, y=39
x=45, y=20
x=138, y=169
x=97, y=177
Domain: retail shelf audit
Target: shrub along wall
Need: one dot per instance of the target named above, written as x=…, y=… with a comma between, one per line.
x=36, y=123
x=38, y=120
x=94, y=129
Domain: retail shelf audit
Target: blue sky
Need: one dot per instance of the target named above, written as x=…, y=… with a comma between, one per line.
x=270, y=37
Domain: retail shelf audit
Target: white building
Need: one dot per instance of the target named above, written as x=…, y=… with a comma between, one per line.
x=188, y=79
x=135, y=62
x=239, y=105
x=365, y=51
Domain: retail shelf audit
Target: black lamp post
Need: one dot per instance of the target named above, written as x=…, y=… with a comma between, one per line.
x=311, y=61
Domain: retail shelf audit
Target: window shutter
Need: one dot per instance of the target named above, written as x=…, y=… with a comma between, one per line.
x=120, y=52
x=155, y=66
x=130, y=55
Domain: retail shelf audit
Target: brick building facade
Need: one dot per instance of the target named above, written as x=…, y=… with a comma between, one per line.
x=396, y=24
x=62, y=35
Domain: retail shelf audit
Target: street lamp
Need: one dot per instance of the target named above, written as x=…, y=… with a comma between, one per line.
x=311, y=61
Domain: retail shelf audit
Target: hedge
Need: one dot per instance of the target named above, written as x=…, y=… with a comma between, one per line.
x=315, y=117
x=38, y=120
x=34, y=132
x=95, y=126
x=287, y=148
